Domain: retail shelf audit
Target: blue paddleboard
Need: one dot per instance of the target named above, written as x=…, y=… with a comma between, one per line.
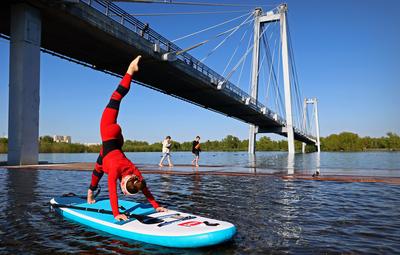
x=170, y=229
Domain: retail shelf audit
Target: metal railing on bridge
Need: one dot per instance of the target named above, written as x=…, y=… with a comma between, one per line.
x=125, y=19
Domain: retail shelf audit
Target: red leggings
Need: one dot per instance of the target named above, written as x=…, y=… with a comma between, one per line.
x=111, y=133
x=111, y=159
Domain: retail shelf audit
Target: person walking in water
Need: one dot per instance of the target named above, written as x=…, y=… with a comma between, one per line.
x=112, y=159
x=196, y=151
x=166, y=150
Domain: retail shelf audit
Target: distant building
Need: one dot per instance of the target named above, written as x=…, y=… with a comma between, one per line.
x=62, y=139
x=91, y=144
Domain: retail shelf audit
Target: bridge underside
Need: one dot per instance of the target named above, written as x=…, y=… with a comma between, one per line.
x=78, y=31
x=282, y=131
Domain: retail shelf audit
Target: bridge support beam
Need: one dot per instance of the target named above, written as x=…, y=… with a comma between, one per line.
x=314, y=102
x=254, y=76
x=317, y=124
x=303, y=145
x=286, y=79
x=23, y=118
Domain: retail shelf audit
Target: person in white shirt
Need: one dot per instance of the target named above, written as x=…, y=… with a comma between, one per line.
x=166, y=147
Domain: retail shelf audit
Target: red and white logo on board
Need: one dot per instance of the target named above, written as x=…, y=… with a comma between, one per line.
x=189, y=223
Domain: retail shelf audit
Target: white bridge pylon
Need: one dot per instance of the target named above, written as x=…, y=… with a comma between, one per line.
x=314, y=102
x=278, y=14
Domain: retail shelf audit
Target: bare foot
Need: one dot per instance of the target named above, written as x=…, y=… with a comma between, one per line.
x=134, y=65
x=90, y=198
x=160, y=165
x=170, y=165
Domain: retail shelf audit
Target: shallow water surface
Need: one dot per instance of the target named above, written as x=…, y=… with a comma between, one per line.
x=272, y=215
x=344, y=163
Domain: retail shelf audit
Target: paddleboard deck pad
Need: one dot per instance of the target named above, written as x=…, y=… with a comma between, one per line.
x=170, y=229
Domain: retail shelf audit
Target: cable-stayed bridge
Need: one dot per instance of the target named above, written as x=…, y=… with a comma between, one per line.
x=101, y=35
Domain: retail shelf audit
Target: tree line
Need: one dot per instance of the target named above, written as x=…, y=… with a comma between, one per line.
x=345, y=141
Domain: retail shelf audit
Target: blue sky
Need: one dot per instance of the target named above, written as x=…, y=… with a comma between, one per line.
x=347, y=55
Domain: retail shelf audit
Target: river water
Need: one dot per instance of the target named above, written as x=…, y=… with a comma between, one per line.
x=272, y=215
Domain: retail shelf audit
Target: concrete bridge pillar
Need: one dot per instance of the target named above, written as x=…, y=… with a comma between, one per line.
x=23, y=119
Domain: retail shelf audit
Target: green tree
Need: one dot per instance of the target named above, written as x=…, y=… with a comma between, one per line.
x=46, y=139
x=3, y=145
x=230, y=143
x=393, y=141
x=345, y=141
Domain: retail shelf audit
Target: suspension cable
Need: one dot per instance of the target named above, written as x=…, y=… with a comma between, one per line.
x=183, y=13
x=225, y=39
x=273, y=74
x=235, y=51
x=208, y=28
x=241, y=70
x=240, y=62
x=243, y=57
x=295, y=76
x=205, y=41
x=270, y=63
x=264, y=55
x=282, y=109
x=271, y=69
x=263, y=29
x=190, y=3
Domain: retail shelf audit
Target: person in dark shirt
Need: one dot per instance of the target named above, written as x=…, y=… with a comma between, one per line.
x=196, y=151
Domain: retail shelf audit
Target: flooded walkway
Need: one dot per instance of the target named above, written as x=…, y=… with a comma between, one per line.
x=226, y=170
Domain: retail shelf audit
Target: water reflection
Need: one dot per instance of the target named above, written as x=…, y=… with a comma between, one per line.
x=290, y=211
x=196, y=180
x=19, y=210
x=166, y=182
x=290, y=163
x=252, y=163
x=318, y=162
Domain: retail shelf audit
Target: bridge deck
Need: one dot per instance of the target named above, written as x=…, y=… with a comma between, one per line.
x=81, y=32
